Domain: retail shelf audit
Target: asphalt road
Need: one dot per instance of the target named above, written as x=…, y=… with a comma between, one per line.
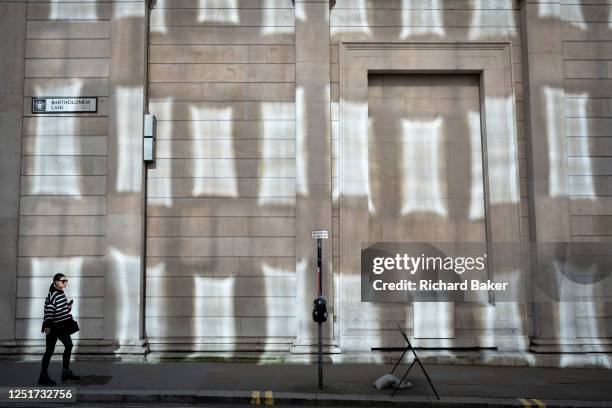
x=155, y=405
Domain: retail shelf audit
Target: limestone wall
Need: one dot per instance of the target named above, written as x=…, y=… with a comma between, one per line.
x=63, y=164
x=587, y=50
x=213, y=252
x=437, y=22
x=221, y=195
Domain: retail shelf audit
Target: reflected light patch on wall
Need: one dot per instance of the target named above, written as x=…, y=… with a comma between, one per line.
x=514, y=312
x=579, y=318
x=158, y=307
x=506, y=17
x=588, y=314
x=270, y=167
x=269, y=271
x=573, y=15
x=87, y=11
x=476, y=211
x=501, y=152
x=441, y=326
x=361, y=26
x=376, y=321
x=555, y=110
x=203, y=288
x=129, y=140
x=422, y=168
x=159, y=24
x=50, y=266
x=125, y=268
x=163, y=186
x=220, y=11
x=128, y=10
x=64, y=127
x=335, y=180
x=300, y=13
x=47, y=267
x=301, y=159
x=565, y=329
x=356, y=171
x=576, y=105
x=505, y=312
x=549, y=10
x=417, y=21
x=303, y=270
x=222, y=167
x=273, y=22
x=71, y=267
x=488, y=322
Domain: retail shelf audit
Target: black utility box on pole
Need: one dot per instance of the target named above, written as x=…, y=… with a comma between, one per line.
x=319, y=312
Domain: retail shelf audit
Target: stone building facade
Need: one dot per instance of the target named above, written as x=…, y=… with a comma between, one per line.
x=378, y=120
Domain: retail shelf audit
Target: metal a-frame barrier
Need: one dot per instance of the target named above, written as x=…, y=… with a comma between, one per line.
x=416, y=360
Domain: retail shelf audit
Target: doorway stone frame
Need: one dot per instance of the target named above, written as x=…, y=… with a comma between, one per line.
x=493, y=61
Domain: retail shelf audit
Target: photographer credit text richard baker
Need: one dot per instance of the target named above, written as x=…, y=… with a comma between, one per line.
x=411, y=264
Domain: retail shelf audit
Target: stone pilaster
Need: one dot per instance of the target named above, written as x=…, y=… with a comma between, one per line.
x=546, y=153
x=125, y=205
x=313, y=165
x=12, y=50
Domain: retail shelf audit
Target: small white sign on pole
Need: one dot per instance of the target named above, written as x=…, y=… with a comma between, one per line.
x=321, y=234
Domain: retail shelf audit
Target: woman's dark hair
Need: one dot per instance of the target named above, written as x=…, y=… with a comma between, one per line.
x=56, y=277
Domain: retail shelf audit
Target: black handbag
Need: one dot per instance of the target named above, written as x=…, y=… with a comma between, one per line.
x=71, y=326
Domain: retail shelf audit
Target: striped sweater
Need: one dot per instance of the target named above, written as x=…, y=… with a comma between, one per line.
x=57, y=308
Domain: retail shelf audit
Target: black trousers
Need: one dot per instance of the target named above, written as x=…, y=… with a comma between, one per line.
x=51, y=340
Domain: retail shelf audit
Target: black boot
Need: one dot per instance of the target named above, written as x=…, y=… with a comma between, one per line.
x=44, y=379
x=68, y=376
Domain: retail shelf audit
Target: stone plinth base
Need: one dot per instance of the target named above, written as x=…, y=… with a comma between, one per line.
x=311, y=347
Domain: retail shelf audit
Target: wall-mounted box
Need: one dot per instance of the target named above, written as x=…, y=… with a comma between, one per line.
x=150, y=134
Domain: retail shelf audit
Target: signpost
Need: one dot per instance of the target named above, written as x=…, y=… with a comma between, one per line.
x=64, y=104
x=319, y=313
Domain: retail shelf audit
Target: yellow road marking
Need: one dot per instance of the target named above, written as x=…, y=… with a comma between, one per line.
x=269, y=398
x=524, y=402
x=538, y=402
x=255, y=398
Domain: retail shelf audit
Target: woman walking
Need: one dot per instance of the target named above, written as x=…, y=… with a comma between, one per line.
x=58, y=324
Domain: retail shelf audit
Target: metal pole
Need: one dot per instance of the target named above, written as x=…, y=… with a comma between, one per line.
x=319, y=268
x=320, y=355
x=320, y=324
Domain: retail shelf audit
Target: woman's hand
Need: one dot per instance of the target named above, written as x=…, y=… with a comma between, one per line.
x=47, y=330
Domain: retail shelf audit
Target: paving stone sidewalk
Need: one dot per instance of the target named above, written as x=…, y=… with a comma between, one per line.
x=237, y=382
